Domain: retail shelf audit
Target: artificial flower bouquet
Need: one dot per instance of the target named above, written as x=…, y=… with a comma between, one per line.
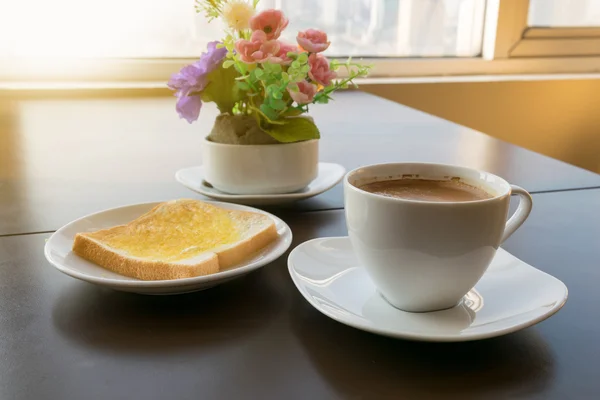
x=261, y=84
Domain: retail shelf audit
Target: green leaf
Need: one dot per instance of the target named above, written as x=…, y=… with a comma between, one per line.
x=303, y=58
x=295, y=129
x=228, y=63
x=276, y=68
x=292, y=112
x=277, y=104
x=268, y=111
x=259, y=73
x=252, y=77
x=222, y=88
x=242, y=67
x=243, y=86
x=278, y=94
x=266, y=67
x=299, y=78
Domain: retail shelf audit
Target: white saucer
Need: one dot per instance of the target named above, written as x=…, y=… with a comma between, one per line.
x=58, y=252
x=329, y=175
x=511, y=296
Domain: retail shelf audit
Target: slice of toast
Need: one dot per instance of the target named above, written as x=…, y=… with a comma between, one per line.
x=178, y=239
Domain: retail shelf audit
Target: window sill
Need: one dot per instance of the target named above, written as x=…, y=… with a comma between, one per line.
x=130, y=75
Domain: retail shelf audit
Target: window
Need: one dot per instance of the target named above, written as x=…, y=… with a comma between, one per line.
x=564, y=13
x=171, y=29
x=147, y=40
x=391, y=28
x=549, y=28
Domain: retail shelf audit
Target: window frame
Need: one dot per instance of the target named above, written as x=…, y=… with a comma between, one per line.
x=514, y=38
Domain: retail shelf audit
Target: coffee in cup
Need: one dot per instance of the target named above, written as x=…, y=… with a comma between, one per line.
x=427, y=190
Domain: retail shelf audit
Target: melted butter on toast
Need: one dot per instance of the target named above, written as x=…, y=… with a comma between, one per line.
x=174, y=231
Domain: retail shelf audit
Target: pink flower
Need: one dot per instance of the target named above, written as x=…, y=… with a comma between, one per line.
x=319, y=70
x=257, y=49
x=281, y=57
x=313, y=40
x=272, y=22
x=305, y=94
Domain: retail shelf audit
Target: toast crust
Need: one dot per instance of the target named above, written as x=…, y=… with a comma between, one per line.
x=257, y=231
x=233, y=255
x=148, y=270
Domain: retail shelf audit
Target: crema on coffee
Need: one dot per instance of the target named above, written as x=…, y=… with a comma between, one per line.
x=427, y=190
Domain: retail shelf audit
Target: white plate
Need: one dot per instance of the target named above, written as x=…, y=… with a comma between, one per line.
x=511, y=296
x=329, y=175
x=58, y=252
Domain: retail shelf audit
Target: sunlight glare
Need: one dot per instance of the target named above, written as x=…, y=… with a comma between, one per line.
x=94, y=28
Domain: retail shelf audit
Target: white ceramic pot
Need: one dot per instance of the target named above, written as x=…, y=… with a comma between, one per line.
x=260, y=169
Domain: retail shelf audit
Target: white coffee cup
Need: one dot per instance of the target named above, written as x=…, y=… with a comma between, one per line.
x=426, y=255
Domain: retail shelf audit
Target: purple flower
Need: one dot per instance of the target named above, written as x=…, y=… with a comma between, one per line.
x=188, y=107
x=189, y=83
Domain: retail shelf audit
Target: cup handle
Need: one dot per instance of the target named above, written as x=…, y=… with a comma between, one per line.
x=517, y=219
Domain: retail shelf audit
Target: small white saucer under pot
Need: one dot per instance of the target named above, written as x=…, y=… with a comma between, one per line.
x=58, y=253
x=511, y=295
x=328, y=176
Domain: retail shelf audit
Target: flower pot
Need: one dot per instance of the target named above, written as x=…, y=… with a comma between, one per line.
x=260, y=169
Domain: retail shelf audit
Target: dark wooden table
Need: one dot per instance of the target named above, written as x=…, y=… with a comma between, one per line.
x=256, y=337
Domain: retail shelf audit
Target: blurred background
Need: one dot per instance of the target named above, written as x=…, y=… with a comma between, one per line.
x=524, y=71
